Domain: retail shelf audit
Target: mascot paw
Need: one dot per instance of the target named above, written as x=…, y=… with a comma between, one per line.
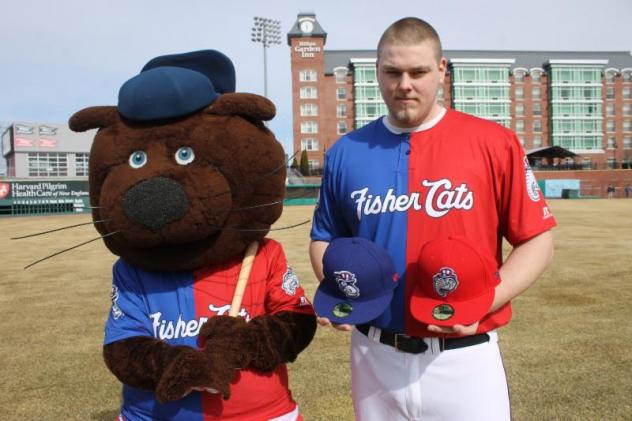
x=195, y=371
x=218, y=327
x=229, y=337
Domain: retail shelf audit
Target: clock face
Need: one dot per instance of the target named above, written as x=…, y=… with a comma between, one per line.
x=307, y=26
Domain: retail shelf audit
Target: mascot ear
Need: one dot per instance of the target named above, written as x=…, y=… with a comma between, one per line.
x=247, y=105
x=92, y=118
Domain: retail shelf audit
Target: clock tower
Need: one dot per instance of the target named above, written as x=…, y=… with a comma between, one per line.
x=307, y=40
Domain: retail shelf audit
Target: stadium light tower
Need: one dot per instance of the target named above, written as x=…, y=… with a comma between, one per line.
x=267, y=32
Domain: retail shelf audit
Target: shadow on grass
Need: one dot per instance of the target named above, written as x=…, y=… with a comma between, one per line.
x=109, y=415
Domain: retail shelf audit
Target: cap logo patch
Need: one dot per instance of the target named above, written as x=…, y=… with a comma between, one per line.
x=443, y=312
x=347, y=283
x=445, y=281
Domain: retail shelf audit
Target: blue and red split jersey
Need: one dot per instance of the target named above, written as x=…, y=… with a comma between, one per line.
x=461, y=176
x=173, y=306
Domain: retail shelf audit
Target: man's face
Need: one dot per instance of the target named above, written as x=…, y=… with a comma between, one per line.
x=409, y=78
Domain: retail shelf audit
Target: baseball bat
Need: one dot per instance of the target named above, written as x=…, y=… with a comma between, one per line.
x=242, y=280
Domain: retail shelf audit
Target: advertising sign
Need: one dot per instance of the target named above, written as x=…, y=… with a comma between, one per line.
x=46, y=193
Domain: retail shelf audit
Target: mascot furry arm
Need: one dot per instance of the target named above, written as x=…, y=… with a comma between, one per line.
x=183, y=176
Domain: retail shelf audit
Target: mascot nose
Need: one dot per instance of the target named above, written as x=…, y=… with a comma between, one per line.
x=155, y=202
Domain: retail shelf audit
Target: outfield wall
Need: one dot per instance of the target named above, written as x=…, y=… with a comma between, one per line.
x=63, y=195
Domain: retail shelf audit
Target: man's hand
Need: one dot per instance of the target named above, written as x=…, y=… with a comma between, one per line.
x=460, y=330
x=323, y=321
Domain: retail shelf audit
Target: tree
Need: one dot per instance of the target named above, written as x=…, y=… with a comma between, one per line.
x=304, y=166
x=294, y=164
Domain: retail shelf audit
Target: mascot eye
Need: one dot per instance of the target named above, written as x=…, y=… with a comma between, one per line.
x=184, y=155
x=137, y=159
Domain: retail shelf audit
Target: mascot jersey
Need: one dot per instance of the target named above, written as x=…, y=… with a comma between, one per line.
x=461, y=176
x=173, y=306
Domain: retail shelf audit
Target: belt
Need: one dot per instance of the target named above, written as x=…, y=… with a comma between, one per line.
x=416, y=345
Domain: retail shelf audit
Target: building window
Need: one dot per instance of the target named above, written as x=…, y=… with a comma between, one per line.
x=309, y=92
x=341, y=110
x=627, y=93
x=611, y=163
x=307, y=75
x=610, y=75
x=519, y=109
x=537, y=126
x=627, y=142
x=341, y=93
x=341, y=74
x=47, y=164
x=586, y=163
x=610, y=125
x=537, y=108
x=536, y=75
x=627, y=109
x=342, y=127
x=537, y=141
x=520, y=125
x=610, y=92
x=611, y=142
x=609, y=109
x=309, y=110
x=627, y=125
x=519, y=76
x=627, y=76
x=519, y=92
x=81, y=164
x=309, y=144
x=535, y=92
x=309, y=127
x=313, y=164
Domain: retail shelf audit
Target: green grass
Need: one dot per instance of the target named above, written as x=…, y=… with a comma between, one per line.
x=568, y=350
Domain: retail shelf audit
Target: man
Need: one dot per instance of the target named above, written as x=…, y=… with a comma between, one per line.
x=421, y=173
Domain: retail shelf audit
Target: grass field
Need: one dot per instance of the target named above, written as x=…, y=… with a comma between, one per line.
x=568, y=351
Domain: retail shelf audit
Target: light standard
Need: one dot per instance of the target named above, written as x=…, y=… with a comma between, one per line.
x=267, y=32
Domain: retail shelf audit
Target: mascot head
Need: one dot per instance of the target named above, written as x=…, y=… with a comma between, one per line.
x=183, y=172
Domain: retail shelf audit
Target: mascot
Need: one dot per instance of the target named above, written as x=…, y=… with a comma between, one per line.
x=184, y=176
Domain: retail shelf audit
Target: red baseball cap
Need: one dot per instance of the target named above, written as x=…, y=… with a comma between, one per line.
x=455, y=285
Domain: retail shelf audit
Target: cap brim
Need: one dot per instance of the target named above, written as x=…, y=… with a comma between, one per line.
x=329, y=305
x=430, y=311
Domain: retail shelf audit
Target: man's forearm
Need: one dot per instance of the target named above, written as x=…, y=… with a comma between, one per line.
x=316, y=252
x=522, y=268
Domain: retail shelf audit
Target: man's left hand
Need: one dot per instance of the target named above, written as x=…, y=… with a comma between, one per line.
x=460, y=330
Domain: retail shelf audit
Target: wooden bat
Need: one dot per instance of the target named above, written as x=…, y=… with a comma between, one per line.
x=242, y=280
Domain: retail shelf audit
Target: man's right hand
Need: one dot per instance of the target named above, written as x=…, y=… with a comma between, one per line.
x=323, y=321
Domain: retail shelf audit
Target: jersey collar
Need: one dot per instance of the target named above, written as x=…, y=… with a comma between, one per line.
x=424, y=126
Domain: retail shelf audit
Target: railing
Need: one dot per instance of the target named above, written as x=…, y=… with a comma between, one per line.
x=581, y=167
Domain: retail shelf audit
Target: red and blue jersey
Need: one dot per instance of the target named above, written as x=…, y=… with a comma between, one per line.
x=461, y=176
x=173, y=306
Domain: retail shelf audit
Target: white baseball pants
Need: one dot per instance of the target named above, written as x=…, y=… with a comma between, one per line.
x=460, y=384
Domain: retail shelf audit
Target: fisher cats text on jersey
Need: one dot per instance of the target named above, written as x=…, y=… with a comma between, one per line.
x=440, y=199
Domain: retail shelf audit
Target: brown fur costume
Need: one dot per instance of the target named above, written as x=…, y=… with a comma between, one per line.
x=170, y=217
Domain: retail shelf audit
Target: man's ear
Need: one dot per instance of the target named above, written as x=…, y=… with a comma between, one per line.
x=250, y=106
x=92, y=118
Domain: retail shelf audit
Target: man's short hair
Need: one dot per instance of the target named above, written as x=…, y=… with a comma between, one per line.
x=409, y=31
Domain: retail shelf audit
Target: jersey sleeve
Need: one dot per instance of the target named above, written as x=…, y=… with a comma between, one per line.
x=283, y=289
x=128, y=314
x=328, y=222
x=524, y=211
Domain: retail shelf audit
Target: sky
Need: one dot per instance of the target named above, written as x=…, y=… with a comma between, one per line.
x=57, y=57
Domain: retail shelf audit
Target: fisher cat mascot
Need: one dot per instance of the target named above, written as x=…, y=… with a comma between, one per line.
x=184, y=178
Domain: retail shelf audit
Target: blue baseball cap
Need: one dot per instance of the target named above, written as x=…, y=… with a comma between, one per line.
x=359, y=281
x=176, y=85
